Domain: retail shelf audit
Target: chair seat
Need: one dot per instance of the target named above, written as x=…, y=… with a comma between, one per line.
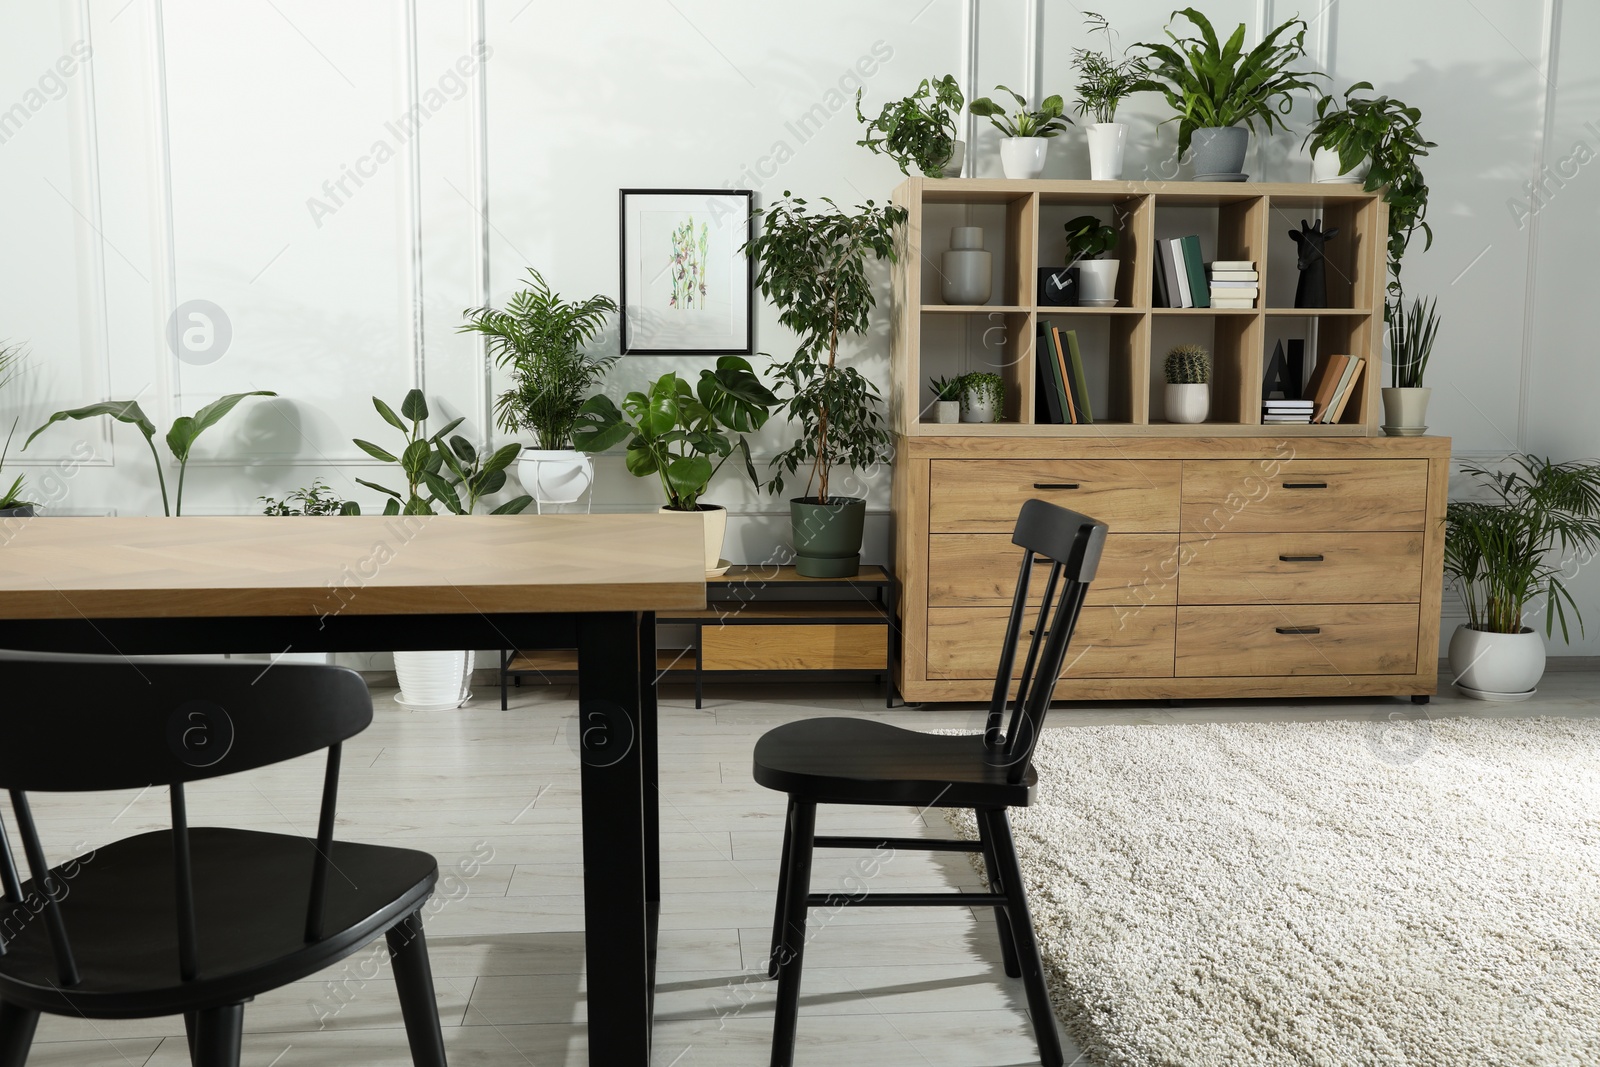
x=251, y=895
x=860, y=761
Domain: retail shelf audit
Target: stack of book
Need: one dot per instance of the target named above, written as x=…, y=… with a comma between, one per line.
x=1180, y=275
x=1062, y=395
x=1234, y=283
x=1286, y=411
x=1333, y=383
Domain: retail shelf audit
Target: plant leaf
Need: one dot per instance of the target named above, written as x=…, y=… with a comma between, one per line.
x=122, y=410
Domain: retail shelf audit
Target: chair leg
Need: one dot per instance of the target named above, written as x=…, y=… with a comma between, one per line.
x=1008, y=946
x=803, y=828
x=1027, y=947
x=413, y=974
x=217, y=1036
x=781, y=909
x=16, y=1034
x=190, y=1018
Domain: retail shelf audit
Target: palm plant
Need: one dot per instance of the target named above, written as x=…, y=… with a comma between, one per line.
x=1049, y=120
x=541, y=338
x=1499, y=551
x=1103, y=80
x=1411, y=337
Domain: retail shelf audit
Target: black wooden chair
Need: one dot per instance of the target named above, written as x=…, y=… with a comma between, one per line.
x=860, y=761
x=191, y=922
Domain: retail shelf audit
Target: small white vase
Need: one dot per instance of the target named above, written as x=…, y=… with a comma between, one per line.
x=966, y=273
x=555, y=475
x=1106, y=143
x=713, y=519
x=1097, y=282
x=1023, y=157
x=433, y=681
x=1497, y=666
x=1187, y=402
x=946, y=412
x=1405, y=411
x=1325, y=169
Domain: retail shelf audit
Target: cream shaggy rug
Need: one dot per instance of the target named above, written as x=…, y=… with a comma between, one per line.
x=1423, y=894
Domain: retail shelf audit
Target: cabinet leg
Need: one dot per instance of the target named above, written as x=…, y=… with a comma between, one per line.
x=1420, y=698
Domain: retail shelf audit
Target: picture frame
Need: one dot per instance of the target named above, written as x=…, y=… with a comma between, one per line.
x=687, y=286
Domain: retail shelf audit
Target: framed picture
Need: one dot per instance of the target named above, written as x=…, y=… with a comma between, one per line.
x=686, y=286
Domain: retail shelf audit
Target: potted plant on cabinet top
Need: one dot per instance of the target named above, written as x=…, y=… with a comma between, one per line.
x=1411, y=337
x=11, y=503
x=946, y=399
x=1188, y=384
x=1087, y=239
x=1027, y=132
x=315, y=499
x=1220, y=90
x=920, y=129
x=813, y=267
x=1347, y=142
x=674, y=432
x=540, y=337
x=1499, y=552
x=1103, y=81
x=983, y=397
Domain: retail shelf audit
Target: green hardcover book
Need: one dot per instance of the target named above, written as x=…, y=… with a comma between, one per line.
x=1080, y=388
x=1197, y=272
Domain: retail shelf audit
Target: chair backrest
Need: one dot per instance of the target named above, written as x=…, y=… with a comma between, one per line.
x=1071, y=544
x=80, y=723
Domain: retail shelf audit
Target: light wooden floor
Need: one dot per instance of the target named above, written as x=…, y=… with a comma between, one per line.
x=494, y=796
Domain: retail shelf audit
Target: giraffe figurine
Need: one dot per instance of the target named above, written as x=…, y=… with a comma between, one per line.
x=1312, y=292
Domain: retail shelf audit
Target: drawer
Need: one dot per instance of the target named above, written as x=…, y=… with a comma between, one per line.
x=814, y=647
x=1108, y=643
x=1296, y=639
x=1301, y=568
x=984, y=496
x=1248, y=496
x=980, y=570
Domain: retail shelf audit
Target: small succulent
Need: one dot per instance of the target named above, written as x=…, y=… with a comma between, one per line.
x=946, y=388
x=1188, y=365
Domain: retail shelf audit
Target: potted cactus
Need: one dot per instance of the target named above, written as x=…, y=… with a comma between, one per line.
x=983, y=397
x=1188, y=384
x=946, y=399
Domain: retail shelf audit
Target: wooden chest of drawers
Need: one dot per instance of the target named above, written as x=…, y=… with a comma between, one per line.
x=1236, y=566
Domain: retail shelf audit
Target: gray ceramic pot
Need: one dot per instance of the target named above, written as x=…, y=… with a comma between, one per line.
x=827, y=537
x=1219, y=153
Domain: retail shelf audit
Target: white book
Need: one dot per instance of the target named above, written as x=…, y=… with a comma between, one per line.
x=1289, y=405
x=1172, y=257
x=1233, y=264
x=1234, y=276
x=1233, y=303
x=1222, y=283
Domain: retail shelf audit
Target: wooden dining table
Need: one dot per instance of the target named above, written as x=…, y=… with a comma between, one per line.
x=209, y=584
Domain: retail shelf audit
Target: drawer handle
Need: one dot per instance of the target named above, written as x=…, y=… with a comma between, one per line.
x=1301, y=559
x=1305, y=485
x=1299, y=630
x=1055, y=485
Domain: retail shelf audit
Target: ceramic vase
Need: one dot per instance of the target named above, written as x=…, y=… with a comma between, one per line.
x=433, y=681
x=1405, y=411
x=555, y=475
x=1219, y=153
x=966, y=273
x=1023, y=157
x=1106, y=143
x=1187, y=402
x=1490, y=666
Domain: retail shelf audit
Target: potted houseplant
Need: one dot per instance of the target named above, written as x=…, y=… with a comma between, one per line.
x=1219, y=90
x=315, y=499
x=983, y=397
x=1347, y=142
x=539, y=337
x=1188, y=398
x=11, y=503
x=1506, y=552
x=439, y=473
x=675, y=432
x=1103, y=81
x=1027, y=132
x=1088, y=239
x=920, y=129
x=813, y=265
x=1411, y=337
x=946, y=399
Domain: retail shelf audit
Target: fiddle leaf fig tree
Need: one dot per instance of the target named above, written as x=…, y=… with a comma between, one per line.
x=813, y=266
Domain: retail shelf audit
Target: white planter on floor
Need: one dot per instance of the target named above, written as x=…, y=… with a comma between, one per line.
x=433, y=681
x=1491, y=666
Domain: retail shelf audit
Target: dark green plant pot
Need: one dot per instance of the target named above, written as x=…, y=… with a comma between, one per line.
x=827, y=537
x=23, y=512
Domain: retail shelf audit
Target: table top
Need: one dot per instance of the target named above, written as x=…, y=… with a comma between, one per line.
x=224, y=566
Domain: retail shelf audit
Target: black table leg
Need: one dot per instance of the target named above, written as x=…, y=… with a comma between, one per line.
x=612, y=708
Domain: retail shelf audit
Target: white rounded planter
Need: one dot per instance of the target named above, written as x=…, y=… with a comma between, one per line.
x=1187, y=402
x=975, y=408
x=1489, y=666
x=433, y=681
x=1405, y=411
x=713, y=519
x=1097, y=282
x=1106, y=143
x=1325, y=169
x=1023, y=157
x=555, y=475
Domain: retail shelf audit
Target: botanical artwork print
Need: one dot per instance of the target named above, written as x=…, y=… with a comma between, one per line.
x=687, y=265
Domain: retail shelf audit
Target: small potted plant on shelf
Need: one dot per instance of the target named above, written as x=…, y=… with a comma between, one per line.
x=1348, y=142
x=920, y=129
x=1219, y=90
x=315, y=499
x=1504, y=553
x=983, y=397
x=540, y=338
x=1087, y=240
x=1103, y=82
x=1411, y=337
x=1188, y=397
x=813, y=266
x=1027, y=132
x=674, y=432
x=946, y=399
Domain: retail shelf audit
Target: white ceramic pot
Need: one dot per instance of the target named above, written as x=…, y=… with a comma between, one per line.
x=975, y=408
x=1405, y=411
x=713, y=519
x=1106, y=142
x=555, y=475
x=1188, y=402
x=946, y=412
x=1325, y=168
x=958, y=158
x=1097, y=282
x=433, y=681
x=1496, y=666
x=1023, y=157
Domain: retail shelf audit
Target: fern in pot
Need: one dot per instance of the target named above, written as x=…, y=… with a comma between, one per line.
x=813, y=266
